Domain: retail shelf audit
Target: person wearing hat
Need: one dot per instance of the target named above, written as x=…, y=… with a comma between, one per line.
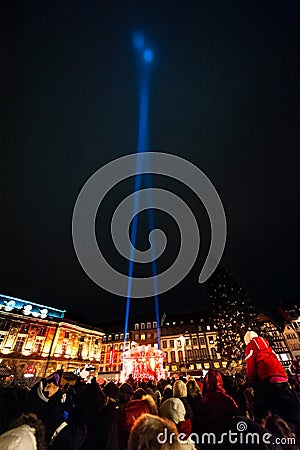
x=271, y=389
x=173, y=409
x=261, y=361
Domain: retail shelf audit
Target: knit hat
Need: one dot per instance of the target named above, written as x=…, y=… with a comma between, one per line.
x=111, y=390
x=173, y=409
x=249, y=335
x=125, y=388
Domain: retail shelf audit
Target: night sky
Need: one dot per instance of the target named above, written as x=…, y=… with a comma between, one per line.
x=223, y=95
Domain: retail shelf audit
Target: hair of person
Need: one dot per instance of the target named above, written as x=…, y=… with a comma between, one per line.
x=192, y=388
x=145, y=432
x=179, y=389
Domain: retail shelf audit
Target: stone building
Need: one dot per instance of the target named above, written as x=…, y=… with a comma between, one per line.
x=36, y=340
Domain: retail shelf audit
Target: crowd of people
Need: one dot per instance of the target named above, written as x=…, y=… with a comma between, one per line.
x=184, y=413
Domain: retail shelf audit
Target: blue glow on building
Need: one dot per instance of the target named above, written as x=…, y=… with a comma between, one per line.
x=28, y=308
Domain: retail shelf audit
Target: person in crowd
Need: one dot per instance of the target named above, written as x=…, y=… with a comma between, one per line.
x=108, y=439
x=128, y=413
x=167, y=393
x=270, y=381
x=280, y=429
x=151, y=432
x=126, y=392
x=218, y=408
x=180, y=391
x=194, y=398
x=139, y=394
x=25, y=433
x=173, y=409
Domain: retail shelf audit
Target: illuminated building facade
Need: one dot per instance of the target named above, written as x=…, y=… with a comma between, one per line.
x=276, y=340
x=37, y=340
x=188, y=341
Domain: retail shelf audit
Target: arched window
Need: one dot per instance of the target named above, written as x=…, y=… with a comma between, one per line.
x=142, y=326
x=136, y=326
x=148, y=325
x=180, y=355
x=154, y=324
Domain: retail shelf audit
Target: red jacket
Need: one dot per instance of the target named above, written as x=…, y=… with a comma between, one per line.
x=261, y=361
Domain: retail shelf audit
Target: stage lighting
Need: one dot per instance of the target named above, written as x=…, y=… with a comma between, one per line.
x=138, y=40
x=148, y=55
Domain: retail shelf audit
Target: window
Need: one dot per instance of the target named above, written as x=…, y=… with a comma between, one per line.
x=142, y=326
x=116, y=347
x=173, y=358
x=38, y=345
x=82, y=339
x=2, y=337
x=149, y=335
x=122, y=336
x=136, y=326
x=79, y=353
x=102, y=359
x=208, y=328
x=19, y=344
x=195, y=342
x=164, y=344
x=127, y=335
x=189, y=354
x=109, y=337
x=104, y=339
x=136, y=336
x=4, y=325
x=24, y=328
x=148, y=325
x=42, y=331
x=180, y=355
x=143, y=337
x=211, y=339
x=202, y=340
x=64, y=346
x=179, y=343
x=187, y=341
x=116, y=337
x=204, y=353
x=154, y=324
x=172, y=343
x=96, y=341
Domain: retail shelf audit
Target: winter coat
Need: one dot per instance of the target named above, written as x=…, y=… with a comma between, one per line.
x=127, y=414
x=261, y=361
x=218, y=408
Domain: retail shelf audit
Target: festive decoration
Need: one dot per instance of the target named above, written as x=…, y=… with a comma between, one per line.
x=233, y=315
x=143, y=363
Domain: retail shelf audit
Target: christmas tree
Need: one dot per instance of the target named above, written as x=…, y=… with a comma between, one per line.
x=232, y=312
